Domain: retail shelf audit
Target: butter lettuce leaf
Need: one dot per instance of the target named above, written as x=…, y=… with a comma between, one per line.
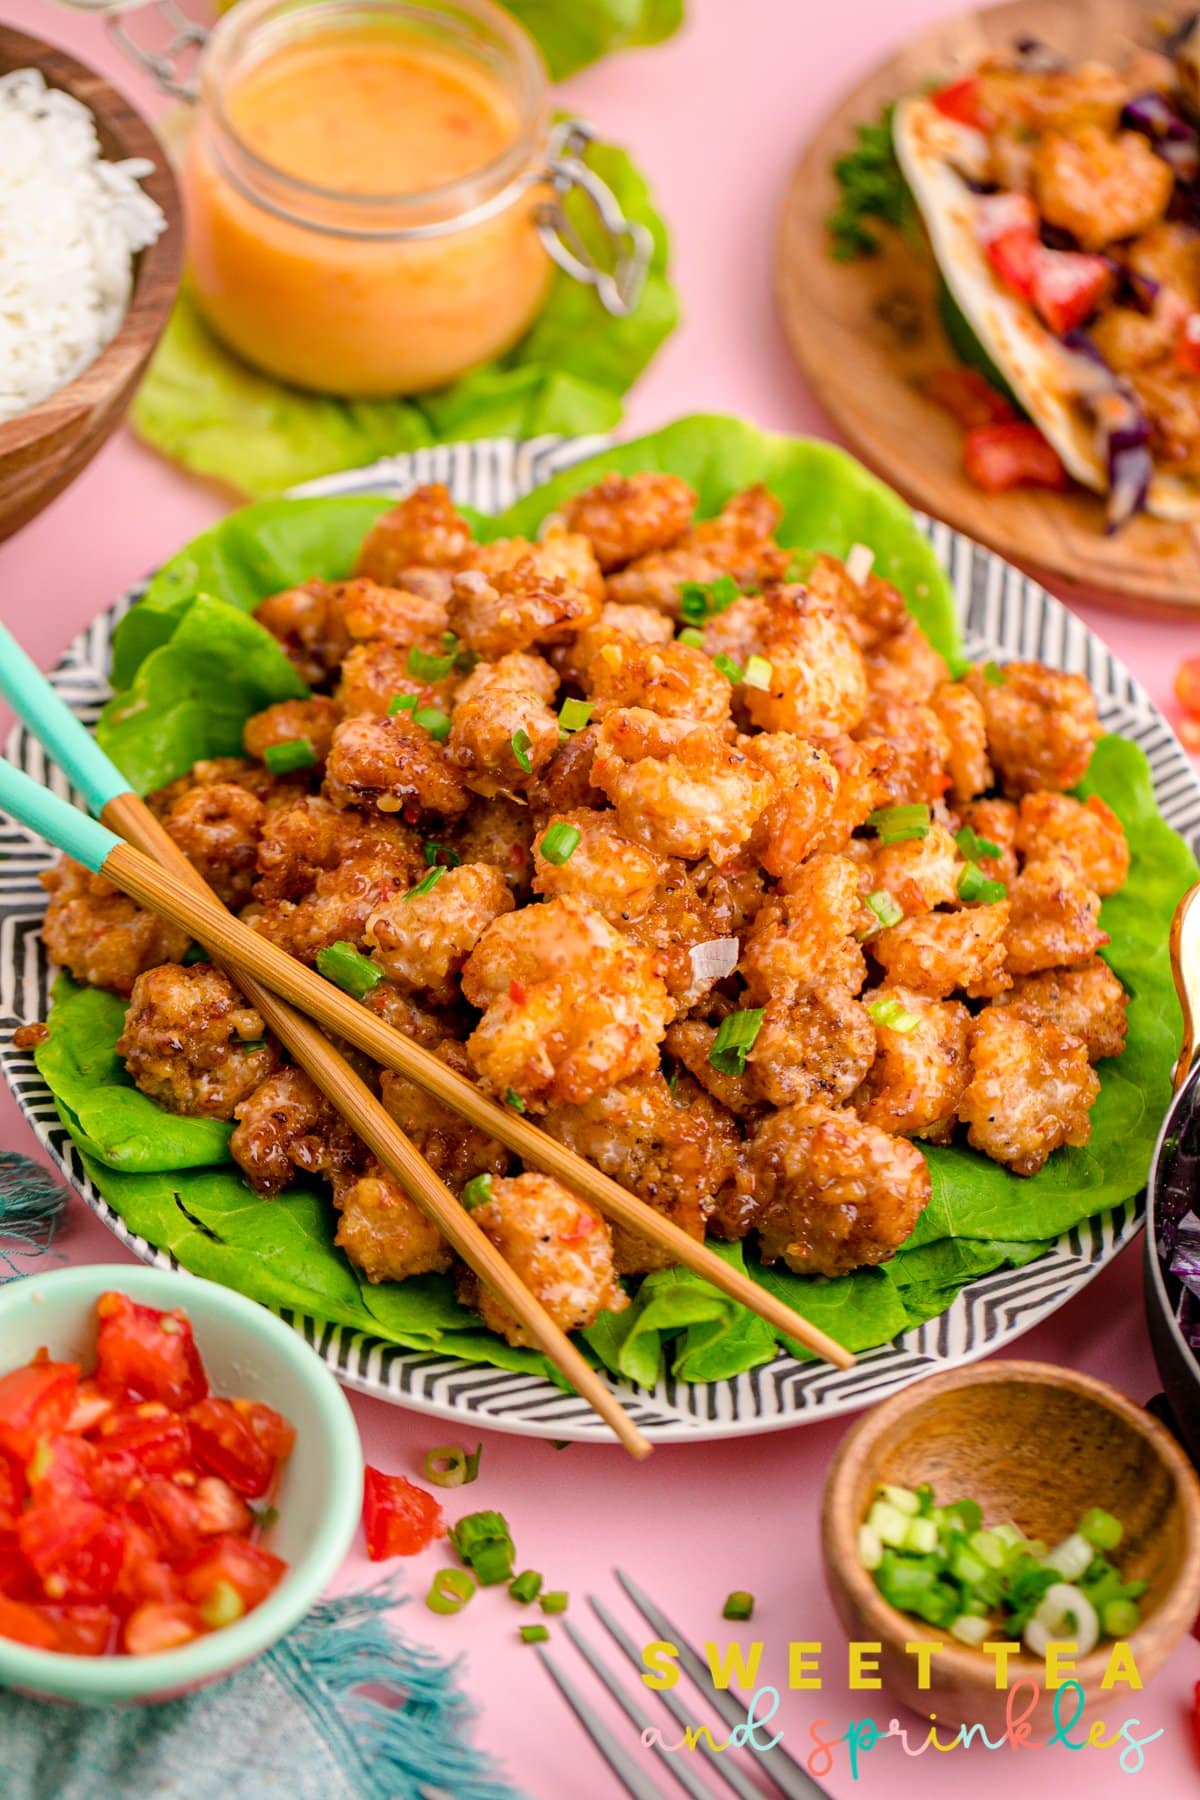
x=574, y=33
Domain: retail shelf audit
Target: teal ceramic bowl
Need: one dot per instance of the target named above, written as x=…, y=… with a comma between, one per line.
x=247, y=1351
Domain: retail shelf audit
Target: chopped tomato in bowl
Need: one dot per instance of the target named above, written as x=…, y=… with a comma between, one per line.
x=180, y=1477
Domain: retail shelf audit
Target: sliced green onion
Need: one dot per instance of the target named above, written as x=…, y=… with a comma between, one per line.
x=889, y=1524
x=973, y=847
x=969, y=1630
x=904, y=1499
x=870, y=1547
x=1119, y=1618
x=735, y=1037
x=994, y=675
x=513, y=1099
x=526, y=1588
x=493, y=1564
x=522, y=744
x=348, y=969
x=974, y=885
x=738, y=1605
x=702, y=599
x=195, y=953
x=573, y=715
x=1101, y=1528
x=893, y=1016
x=482, y=1540
x=427, y=882
x=560, y=843
x=283, y=759
x=801, y=566
x=254, y=1044
x=403, y=703
x=693, y=638
x=886, y=910
x=451, y=1466
x=758, y=674
x=477, y=1192
x=424, y=667
x=449, y=1591
x=441, y=853
x=732, y=671
x=897, y=824
x=922, y=1536
x=555, y=1602
x=435, y=722
x=534, y=1634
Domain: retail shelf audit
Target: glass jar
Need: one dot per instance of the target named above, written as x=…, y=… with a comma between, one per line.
x=341, y=285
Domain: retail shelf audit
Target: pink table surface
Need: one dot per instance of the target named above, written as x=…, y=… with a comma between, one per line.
x=717, y=118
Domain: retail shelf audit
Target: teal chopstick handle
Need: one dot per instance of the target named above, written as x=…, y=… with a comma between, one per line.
x=56, y=820
x=53, y=723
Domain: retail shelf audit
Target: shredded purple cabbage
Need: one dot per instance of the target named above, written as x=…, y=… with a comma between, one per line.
x=1173, y=138
x=1124, y=431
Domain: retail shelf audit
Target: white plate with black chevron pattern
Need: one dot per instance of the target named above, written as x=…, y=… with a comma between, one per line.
x=1004, y=615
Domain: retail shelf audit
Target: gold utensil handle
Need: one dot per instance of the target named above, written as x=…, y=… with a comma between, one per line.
x=1185, y=966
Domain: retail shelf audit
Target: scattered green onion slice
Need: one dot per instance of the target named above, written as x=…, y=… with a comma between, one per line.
x=477, y=1192
x=1101, y=1529
x=534, y=1634
x=522, y=744
x=555, y=1602
x=738, y=1605
x=526, y=1588
x=254, y=1044
x=897, y=824
x=973, y=847
x=886, y=910
x=297, y=753
x=702, y=599
x=423, y=666
x=894, y=1017
x=441, y=853
x=435, y=722
x=573, y=715
x=403, y=703
x=451, y=1466
x=195, y=953
x=994, y=675
x=692, y=637
x=513, y=1099
x=449, y=1591
x=427, y=882
x=735, y=1037
x=560, y=843
x=758, y=674
x=482, y=1540
x=348, y=969
x=731, y=670
x=974, y=885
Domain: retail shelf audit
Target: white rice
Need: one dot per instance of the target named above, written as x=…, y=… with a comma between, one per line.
x=70, y=226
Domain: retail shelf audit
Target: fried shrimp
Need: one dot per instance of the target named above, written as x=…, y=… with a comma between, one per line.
x=383, y=1232
x=1088, y=1003
x=304, y=722
x=937, y=952
x=916, y=1081
x=628, y=516
x=98, y=934
x=517, y=608
x=421, y=940
x=673, y=680
x=192, y=1043
x=308, y=624
x=559, y=1246
x=809, y=935
x=1054, y=917
x=286, y=1128
x=423, y=531
x=1042, y=725
x=604, y=868
x=504, y=732
x=218, y=828
x=394, y=765
x=1089, y=832
x=1030, y=1091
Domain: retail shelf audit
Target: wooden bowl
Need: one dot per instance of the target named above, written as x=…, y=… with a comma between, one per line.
x=1036, y=1445
x=46, y=447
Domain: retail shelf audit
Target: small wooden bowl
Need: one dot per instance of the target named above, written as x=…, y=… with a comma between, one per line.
x=46, y=447
x=1036, y=1445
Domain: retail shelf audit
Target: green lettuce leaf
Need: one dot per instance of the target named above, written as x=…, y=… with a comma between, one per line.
x=574, y=33
x=980, y=1218
x=204, y=407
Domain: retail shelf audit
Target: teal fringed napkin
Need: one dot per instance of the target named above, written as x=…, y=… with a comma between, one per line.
x=31, y=1204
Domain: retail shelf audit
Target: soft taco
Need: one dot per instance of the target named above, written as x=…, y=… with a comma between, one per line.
x=1063, y=207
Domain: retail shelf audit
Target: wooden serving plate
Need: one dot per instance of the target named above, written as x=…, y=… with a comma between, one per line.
x=45, y=447
x=866, y=333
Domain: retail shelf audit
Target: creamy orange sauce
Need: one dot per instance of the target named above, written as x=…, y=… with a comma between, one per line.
x=360, y=114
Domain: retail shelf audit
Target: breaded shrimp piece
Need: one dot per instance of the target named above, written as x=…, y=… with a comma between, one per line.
x=960, y=714
x=98, y=934
x=504, y=731
x=286, y=1128
x=558, y=555
x=673, y=680
x=383, y=1232
x=397, y=1006
x=939, y=952
x=559, y=1246
x=860, y=788
x=643, y=625
x=231, y=771
x=375, y=672
x=905, y=666
x=689, y=1041
x=1042, y=725
x=1031, y=1090
x=301, y=840
x=817, y=685
x=917, y=767
x=627, y=516
x=900, y=660
x=1098, y=187
x=192, y=1043
x=374, y=614
x=680, y=917
x=517, y=608
x=1054, y=920
x=218, y=828
x=289, y=721
x=343, y=898
x=674, y=1153
x=422, y=940
x=817, y=1046
x=916, y=1081
x=838, y=1194
x=605, y=869
x=1088, y=1003
x=570, y=1007
x=424, y=529
x=497, y=831
x=809, y=935
x=682, y=789
x=394, y=766
x=565, y=784
x=798, y=820
x=452, y=1147
x=918, y=873
x=738, y=541
x=308, y=624
x=1088, y=831
x=995, y=821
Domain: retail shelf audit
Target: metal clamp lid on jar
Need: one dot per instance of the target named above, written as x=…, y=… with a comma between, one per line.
x=174, y=68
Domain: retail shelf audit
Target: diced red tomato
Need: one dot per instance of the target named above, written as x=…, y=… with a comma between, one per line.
x=158, y=1440
x=966, y=395
x=1187, y=345
x=248, y=1569
x=1003, y=215
x=89, y=1408
x=962, y=102
x=1187, y=686
x=145, y=1354
x=1014, y=257
x=161, y=1625
x=220, y=1510
x=74, y=1546
x=26, y=1624
x=225, y=1442
x=270, y=1428
x=82, y=1630
x=399, y=1518
x=34, y=1402
x=998, y=457
x=144, y=1574
x=62, y=1466
x=171, y=1514
x=12, y=1493
x=1068, y=287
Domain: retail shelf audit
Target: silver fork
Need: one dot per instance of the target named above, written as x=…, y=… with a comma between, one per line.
x=784, y=1771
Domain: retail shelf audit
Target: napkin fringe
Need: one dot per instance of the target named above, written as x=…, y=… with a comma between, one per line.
x=31, y=1205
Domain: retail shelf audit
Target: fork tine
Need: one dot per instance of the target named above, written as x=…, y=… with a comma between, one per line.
x=783, y=1768
x=615, y=1754
x=638, y=1714
x=728, y=1771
